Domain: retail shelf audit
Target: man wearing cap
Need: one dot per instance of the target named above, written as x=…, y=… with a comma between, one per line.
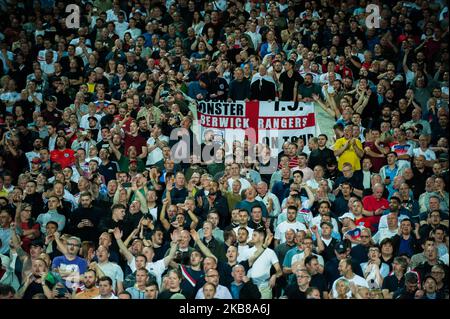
x=349, y=229
x=51, y=114
x=35, y=167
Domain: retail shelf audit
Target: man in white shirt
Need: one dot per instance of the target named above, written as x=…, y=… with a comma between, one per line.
x=254, y=35
x=112, y=14
x=425, y=151
x=269, y=199
x=121, y=25
x=243, y=248
x=243, y=223
x=366, y=173
x=290, y=223
x=109, y=269
x=235, y=175
x=260, y=271
x=324, y=209
x=346, y=271
x=307, y=247
x=105, y=289
x=156, y=268
x=390, y=231
x=135, y=32
x=155, y=144
x=48, y=64
x=212, y=277
x=47, y=48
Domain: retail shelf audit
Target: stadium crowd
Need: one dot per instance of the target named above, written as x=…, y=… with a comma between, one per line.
x=95, y=203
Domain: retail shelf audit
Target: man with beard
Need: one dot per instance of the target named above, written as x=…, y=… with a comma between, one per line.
x=90, y=290
x=37, y=146
x=62, y=155
x=85, y=219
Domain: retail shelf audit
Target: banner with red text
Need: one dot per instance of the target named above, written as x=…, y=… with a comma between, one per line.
x=271, y=123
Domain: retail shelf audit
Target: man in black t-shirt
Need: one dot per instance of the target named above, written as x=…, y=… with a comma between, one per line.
x=298, y=289
x=290, y=79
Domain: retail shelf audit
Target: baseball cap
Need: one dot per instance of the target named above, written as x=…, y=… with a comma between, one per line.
x=443, y=157
x=133, y=161
x=341, y=248
x=36, y=160
x=347, y=215
x=140, y=12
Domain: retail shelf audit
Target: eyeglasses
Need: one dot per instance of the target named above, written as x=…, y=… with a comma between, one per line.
x=364, y=236
x=72, y=245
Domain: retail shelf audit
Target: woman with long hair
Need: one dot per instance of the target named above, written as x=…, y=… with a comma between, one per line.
x=197, y=23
